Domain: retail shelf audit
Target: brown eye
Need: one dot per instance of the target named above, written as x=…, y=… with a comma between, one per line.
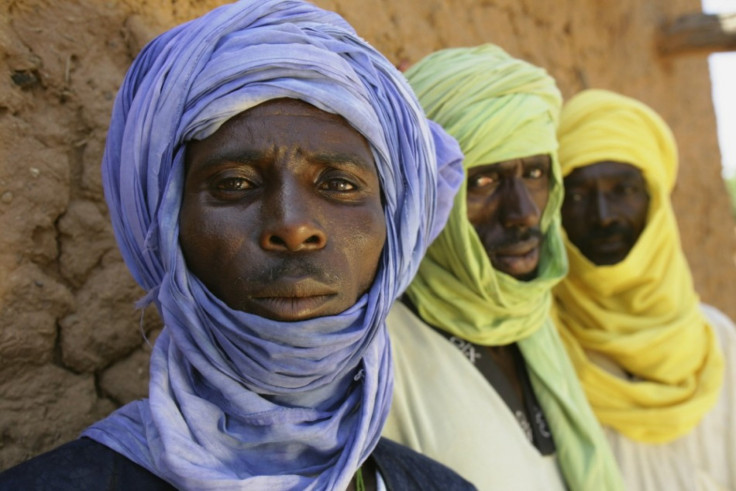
x=535, y=174
x=629, y=190
x=574, y=196
x=339, y=185
x=233, y=184
x=482, y=181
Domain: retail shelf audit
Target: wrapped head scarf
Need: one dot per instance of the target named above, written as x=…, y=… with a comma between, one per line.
x=501, y=108
x=643, y=312
x=237, y=400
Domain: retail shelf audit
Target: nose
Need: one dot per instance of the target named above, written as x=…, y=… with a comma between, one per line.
x=290, y=224
x=603, y=212
x=517, y=206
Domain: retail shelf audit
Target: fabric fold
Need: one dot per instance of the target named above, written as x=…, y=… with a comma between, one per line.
x=501, y=108
x=642, y=313
x=236, y=400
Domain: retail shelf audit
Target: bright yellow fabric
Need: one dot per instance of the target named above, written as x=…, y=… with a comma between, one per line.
x=500, y=108
x=642, y=313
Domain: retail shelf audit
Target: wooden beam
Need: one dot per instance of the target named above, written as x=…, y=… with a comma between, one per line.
x=698, y=32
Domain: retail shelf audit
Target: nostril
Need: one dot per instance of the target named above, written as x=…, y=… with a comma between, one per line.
x=277, y=241
x=293, y=239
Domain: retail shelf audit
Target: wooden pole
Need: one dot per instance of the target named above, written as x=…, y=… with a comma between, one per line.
x=698, y=33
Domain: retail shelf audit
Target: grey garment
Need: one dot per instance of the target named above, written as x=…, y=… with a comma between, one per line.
x=86, y=465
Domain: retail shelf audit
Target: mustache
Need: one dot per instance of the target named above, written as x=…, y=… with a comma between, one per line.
x=611, y=231
x=293, y=267
x=516, y=235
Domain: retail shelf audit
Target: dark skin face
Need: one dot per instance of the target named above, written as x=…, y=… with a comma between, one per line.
x=505, y=203
x=281, y=215
x=605, y=210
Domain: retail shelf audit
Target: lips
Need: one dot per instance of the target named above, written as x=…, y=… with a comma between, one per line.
x=610, y=240
x=292, y=299
x=294, y=287
x=520, y=248
x=518, y=259
x=608, y=244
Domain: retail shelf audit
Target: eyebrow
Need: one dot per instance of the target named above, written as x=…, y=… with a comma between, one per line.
x=538, y=160
x=343, y=159
x=626, y=174
x=241, y=156
x=253, y=155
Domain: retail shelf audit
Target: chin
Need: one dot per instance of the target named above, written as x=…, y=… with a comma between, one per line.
x=606, y=259
x=521, y=275
x=531, y=275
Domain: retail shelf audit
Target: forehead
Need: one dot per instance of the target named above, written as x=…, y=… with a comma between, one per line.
x=290, y=108
x=604, y=171
x=284, y=123
x=530, y=161
x=283, y=114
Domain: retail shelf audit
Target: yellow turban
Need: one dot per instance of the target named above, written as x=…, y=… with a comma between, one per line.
x=501, y=108
x=642, y=313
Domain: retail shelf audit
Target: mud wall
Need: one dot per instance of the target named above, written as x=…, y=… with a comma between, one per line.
x=72, y=345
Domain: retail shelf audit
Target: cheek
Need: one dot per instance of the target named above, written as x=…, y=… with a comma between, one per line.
x=364, y=244
x=191, y=240
x=210, y=239
x=541, y=198
x=474, y=208
x=572, y=221
x=481, y=210
x=572, y=211
x=643, y=210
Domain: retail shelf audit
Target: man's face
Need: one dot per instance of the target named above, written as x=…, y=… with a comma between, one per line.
x=281, y=215
x=505, y=204
x=605, y=210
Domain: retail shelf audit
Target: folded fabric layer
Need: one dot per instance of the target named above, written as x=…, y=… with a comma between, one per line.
x=642, y=313
x=502, y=108
x=235, y=399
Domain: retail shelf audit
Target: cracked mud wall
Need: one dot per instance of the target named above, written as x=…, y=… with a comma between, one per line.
x=72, y=344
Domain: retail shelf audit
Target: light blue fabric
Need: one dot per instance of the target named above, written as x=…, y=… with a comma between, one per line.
x=236, y=400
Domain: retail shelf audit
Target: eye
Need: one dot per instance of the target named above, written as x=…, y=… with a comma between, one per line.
x=576, y=197
x=230, y=186
x=339, y=185
x=628, y=189
x=233, y=184
x=535, y=173
x=482, y=181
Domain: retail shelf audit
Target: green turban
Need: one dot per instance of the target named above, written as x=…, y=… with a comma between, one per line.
x=501, y=108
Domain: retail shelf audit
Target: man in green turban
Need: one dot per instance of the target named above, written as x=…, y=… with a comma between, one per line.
x=482, y=381
x=657, y=365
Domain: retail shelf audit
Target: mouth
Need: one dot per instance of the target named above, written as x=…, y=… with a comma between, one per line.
x=610, y=244
x=292, y=299
x=518, y=259
x=608, y=250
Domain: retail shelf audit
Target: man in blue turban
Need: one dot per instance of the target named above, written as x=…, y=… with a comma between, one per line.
x=273, y=185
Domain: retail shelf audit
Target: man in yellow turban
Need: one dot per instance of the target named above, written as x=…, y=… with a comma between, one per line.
x=482, y=381
x=649, y=355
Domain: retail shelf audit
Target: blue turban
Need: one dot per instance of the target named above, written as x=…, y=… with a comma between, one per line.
x=235, y=399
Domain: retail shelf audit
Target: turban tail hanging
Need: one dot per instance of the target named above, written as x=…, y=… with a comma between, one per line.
x=500, y=108
x=236, y=399
x=643, y=312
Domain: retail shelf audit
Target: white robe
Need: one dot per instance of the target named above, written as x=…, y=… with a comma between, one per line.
x=444, y=408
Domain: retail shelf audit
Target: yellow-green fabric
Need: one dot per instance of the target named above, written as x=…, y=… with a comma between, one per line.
x=642, y=313
x=500, y=108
